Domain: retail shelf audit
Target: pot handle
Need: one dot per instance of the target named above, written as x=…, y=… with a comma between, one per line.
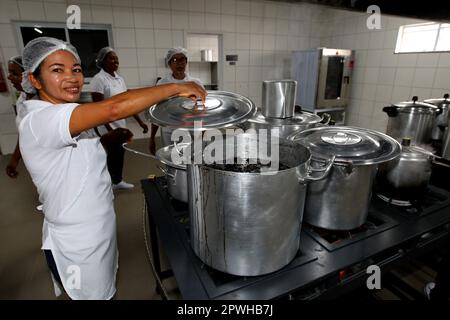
x=325, y=170
x=426, y=152
x=391, y=111
x=164, y=170
x=326, y=117
x=125, y=146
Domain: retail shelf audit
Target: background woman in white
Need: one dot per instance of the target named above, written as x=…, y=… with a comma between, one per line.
x=15, y=70
x=105, y=84
x=68, y=164
x=176, y=59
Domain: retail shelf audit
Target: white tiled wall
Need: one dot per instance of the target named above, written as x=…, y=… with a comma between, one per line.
x=262, y=33
x=381, y=77
x=198, y=42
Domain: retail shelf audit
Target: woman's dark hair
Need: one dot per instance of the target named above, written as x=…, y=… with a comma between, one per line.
x=37, y=72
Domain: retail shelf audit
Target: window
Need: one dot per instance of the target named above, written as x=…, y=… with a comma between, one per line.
x=88, y=40
x=423, y=37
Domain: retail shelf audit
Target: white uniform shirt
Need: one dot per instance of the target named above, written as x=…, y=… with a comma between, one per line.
x=187, y=78
x=166, y=133
x=20, y=108
x=109, y=86
x=74, y=187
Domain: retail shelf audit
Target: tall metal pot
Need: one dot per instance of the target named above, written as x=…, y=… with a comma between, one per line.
x=248, y=223
x=443, y=118
x=411, y=119
x=278, y=98
x=300, y=121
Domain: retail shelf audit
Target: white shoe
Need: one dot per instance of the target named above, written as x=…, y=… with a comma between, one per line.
x=122, y=185
x=427, y=289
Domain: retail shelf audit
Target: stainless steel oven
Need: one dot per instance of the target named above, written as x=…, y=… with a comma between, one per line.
x=324, y=77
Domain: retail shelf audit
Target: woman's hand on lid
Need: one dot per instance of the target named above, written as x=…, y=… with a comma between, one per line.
x=192, y=90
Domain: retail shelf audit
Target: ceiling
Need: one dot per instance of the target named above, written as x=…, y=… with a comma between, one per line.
x=429, y=10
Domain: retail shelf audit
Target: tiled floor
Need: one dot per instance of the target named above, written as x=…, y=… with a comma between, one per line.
x=23, y=270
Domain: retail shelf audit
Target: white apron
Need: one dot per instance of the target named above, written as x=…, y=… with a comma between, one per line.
x=75, y=189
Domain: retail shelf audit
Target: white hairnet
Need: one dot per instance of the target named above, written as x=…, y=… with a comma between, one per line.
x=102, y=55
x=36, y=51
x=174, y=51
x=16, y=60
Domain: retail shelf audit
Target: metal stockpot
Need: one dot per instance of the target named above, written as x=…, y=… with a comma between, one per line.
x=176, y=175
x=411, y=119
x=174, y=171
x=407, y=176
x=300, y=121
x=247, y=223
x=278, y=98
x=341, y=201
x=442, y=119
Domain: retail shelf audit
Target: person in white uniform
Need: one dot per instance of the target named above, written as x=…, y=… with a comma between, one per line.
x=67, y=163
x=15, y=70
x=105, y=84
x=176, y=59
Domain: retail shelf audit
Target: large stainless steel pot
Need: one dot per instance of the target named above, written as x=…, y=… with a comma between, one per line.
x=248, y=223
x=300, y=121
x=411, y=119
x=341, y=201
x=278, y=98
x=406, y=177
x=442, y=119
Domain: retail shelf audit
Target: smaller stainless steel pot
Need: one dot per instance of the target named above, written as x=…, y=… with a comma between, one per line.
x=406, y=177
x=175, y=173
x=341, y=200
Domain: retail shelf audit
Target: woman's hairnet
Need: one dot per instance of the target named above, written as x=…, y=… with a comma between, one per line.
x=174, y=51
x=102, y=55
x=36, y=51
x=16, y=60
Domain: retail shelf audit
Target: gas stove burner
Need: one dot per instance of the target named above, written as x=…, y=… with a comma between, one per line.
x=335, y=239
x=400, y=203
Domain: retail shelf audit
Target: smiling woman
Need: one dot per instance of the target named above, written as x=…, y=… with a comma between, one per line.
x=68, y=164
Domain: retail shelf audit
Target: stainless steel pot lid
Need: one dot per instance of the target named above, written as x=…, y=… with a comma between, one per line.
x=221, y=109
x=415, y=106
x=358, y=145
x=165, y=155
x=299, y=118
